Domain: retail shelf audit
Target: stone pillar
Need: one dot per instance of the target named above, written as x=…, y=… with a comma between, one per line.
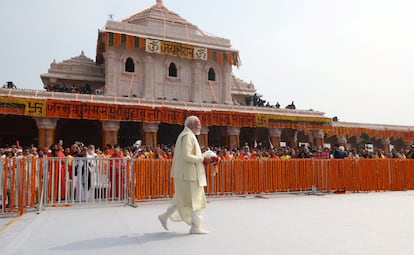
x=233, y=136
x=275, y=136
x=342, y=141
x=386, y=145
x=318, y=138
x=226, y=88
x=196, y=76
x=293, y=143
x=150, y=133
x=148, y=81
x=110, y=132
x=46, y=131
x=111, y=73
x=203, y=137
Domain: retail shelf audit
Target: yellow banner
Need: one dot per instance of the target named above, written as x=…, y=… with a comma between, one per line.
x=175, y=49
x=263, y=120
x=22, y=106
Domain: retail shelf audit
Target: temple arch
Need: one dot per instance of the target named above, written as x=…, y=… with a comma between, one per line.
x=211, y=74
x=129, y=65
x=172, y=70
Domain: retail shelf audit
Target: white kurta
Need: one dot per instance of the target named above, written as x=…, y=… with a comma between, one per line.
x=188, y=197
x=189, y=177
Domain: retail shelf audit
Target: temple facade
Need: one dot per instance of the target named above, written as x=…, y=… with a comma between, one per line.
x=151, y=70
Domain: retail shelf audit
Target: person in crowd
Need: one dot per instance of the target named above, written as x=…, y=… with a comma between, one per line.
x=189, y=180
x=8, y=183
x=91, y=172
x=41, y=154
x=379, y=154
x=60, y=171
x=102, y=171
x=139, y=154
x=366, y=154
x=401, y=154
x=126, y=153
x=340, y=152
x=34, y=151
x=79, y=169
x=66, y=151
x=245, y=154
x=159, y=154
x=236, y=154
x=304, y=152
x=264, y=155
x=225, y=155
x=353, y=154
x=148, y=152
x=285, y=154
x=107, y=152
x=169, y=152
x=19, y=154
x=27, y=152
x=116, y=167
x=410, y=153
x=273, y=154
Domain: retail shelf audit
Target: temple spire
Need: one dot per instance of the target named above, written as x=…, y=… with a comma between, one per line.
x=159, y=2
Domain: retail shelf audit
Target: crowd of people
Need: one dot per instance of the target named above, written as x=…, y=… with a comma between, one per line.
x=95, y=177
x=86, y=89
x=255, y=100
x=140, y=151
x=9, y=85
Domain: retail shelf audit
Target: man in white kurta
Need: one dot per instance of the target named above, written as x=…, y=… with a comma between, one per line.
x=189, y=180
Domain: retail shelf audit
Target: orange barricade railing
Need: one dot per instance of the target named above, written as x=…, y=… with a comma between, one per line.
x=25, y=182
x=18, y=188
x=238, y=177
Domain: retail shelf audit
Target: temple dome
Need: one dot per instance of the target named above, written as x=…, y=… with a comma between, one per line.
x=158, y=22
x=156, y=12
x=78, y=68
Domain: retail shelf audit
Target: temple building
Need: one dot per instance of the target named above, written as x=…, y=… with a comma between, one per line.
x=151, y=70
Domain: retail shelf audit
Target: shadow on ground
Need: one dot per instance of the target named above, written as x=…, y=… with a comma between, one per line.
x=108, y=242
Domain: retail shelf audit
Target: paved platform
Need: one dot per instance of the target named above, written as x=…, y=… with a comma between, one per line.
x=359, y=223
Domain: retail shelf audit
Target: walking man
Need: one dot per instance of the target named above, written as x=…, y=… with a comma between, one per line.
x=189, y=179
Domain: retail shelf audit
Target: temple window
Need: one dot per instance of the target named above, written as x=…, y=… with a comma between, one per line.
x=123, y=38
x=129, y=65
x=111, y=39
x=214, y=56
x=172, y=70
x=211, y=74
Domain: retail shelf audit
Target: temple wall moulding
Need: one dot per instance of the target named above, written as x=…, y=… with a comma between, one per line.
x=150, y=127
x=275, y=132
x=110, y=125
x=318, y=133
x=233, y=130
x=46, y=123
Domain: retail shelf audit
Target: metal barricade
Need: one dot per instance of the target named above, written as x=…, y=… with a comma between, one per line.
x=17, y=184
x=83, y=180
x=36, y=183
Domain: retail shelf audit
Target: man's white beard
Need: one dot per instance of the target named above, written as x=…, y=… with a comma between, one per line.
x=196, y=131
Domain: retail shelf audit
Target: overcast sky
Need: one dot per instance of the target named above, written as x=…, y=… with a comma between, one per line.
x=348, y=58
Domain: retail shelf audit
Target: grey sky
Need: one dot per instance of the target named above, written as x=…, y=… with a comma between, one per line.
x=348, y=58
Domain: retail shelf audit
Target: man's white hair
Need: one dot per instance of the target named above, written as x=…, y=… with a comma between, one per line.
x=190, y=120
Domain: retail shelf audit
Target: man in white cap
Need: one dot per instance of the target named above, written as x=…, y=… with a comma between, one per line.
x=189, y=179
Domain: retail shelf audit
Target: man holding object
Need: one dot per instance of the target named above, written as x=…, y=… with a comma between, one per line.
x=189, y=179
